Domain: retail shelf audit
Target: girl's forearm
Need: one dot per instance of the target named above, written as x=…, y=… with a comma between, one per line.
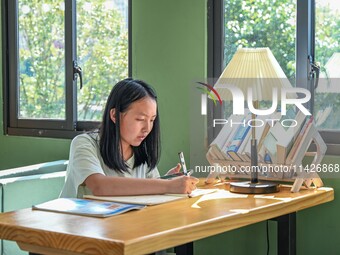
x=102, y=185
x=119, y=186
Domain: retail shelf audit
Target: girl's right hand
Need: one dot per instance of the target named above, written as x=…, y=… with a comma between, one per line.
x=182, y=185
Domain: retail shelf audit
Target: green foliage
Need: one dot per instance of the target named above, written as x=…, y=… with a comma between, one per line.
x=42, y=75
x=102, y=49
x=103, y=55
x=327, y=42
x=327, y=34
x=261, y=23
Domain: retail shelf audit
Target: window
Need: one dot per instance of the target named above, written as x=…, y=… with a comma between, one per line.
x=327, y=53
x=63, y=59
x=299, y=33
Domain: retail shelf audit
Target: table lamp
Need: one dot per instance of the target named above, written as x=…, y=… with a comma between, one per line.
x=255, y=72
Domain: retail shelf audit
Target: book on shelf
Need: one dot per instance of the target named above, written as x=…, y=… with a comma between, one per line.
x=222, y=140
x=270, y=143
x=288, y=135
x=150, y=199
x=218, y=142
x=235, y=121
x=304, y=130
x=238, y=139
x=260, y=134
x=243, y=147
x=265, y=129
x=86, y=207
x=281, y=136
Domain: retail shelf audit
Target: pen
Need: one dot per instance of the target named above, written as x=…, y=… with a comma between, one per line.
x=182, y=161
x=170, y=176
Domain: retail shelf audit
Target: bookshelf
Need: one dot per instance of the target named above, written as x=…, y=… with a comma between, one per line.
x=292, y=171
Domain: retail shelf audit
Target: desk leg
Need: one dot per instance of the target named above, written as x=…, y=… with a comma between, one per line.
x=286, y=236
x=185, y=249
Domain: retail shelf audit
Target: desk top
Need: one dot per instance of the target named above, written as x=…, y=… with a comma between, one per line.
x=153, y=228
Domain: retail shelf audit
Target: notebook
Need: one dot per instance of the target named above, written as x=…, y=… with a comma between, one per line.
x=151, y=199
x=86, y=207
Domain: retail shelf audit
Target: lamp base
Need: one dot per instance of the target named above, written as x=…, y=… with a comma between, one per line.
x=254, y=188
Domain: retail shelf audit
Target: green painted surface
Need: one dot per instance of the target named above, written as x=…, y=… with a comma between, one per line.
x=169, y=52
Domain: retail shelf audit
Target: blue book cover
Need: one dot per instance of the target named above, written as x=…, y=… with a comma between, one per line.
x=86, y=207
x=238, y=138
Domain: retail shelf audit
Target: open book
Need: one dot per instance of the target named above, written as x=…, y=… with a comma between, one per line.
x=86, y=207
x=150, y=199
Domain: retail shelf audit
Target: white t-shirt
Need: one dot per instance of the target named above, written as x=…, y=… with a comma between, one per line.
x=85, y=160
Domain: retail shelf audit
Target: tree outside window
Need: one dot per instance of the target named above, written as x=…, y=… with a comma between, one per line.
x=102, y=53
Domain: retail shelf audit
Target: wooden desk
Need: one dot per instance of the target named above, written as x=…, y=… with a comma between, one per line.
x=156, y=227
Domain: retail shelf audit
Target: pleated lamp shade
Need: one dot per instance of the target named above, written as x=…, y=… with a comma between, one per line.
x=256, y=68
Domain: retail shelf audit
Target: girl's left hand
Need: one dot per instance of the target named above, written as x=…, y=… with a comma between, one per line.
x=174, y=170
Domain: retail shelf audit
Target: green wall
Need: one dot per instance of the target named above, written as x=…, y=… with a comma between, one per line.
x=169, y=52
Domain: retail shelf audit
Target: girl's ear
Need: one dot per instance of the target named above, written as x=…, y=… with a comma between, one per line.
x=113, y=115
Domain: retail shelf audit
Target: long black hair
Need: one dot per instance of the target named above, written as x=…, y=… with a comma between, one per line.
x=122, y=95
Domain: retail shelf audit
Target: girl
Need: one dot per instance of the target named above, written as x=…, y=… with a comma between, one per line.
x=127, y=145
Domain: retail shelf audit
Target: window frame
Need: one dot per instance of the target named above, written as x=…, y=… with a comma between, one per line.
x=70, y=126
x=215, y=44
x=305, y=36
